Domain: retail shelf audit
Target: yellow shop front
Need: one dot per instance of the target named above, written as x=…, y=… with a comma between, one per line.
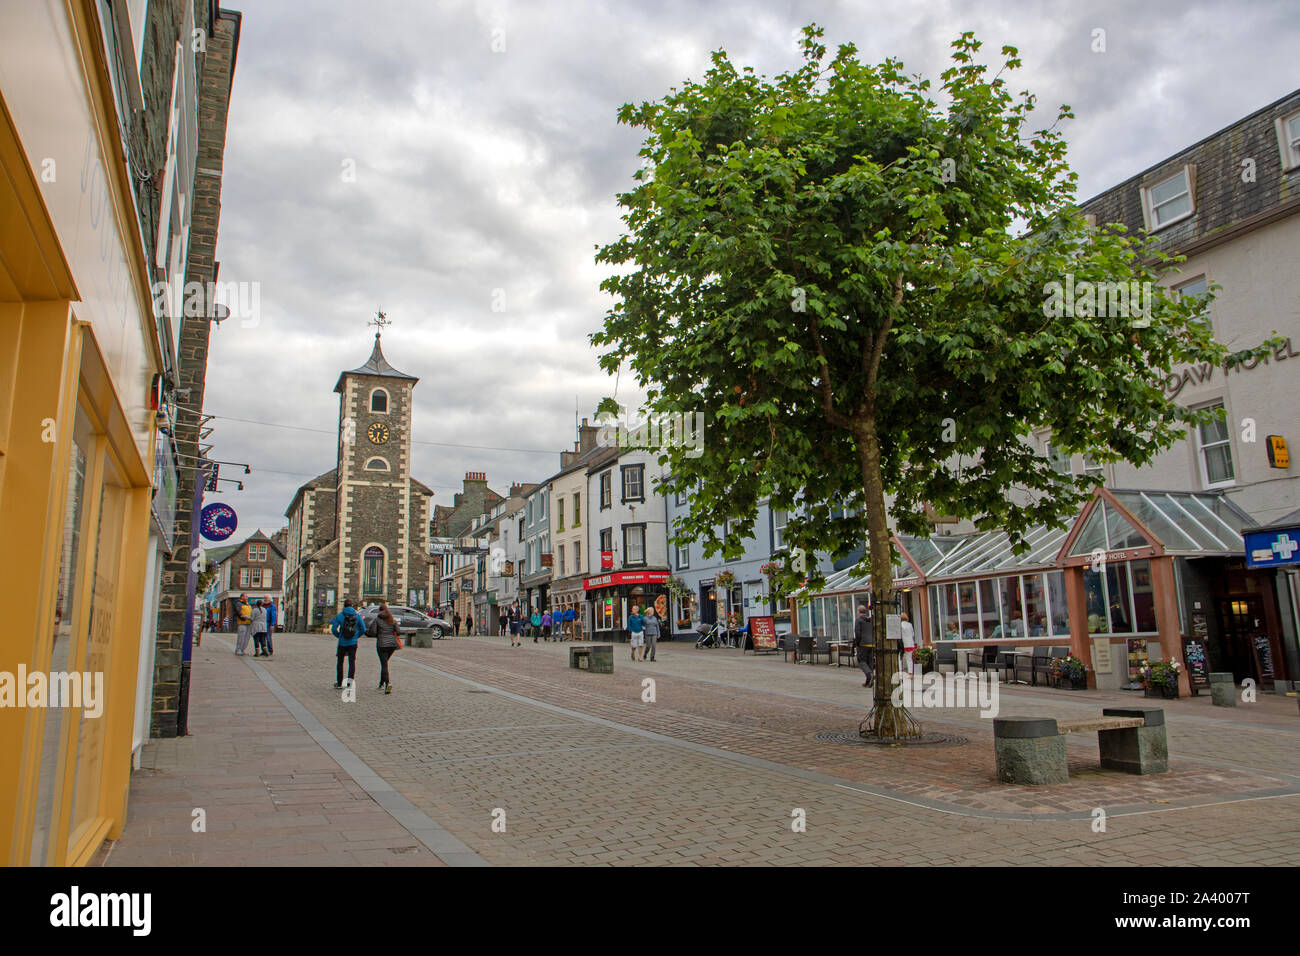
x=79, y=349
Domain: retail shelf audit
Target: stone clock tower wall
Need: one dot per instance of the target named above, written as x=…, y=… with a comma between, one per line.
x=374, y=499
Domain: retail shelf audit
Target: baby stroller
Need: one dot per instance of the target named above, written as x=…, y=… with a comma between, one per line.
x=710, y=634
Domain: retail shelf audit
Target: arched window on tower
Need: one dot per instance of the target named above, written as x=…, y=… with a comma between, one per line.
x=372, y=571
x=376, y=464
x=378, y=400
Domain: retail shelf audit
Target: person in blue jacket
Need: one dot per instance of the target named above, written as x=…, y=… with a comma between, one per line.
x=348, y=628
x=271, y=617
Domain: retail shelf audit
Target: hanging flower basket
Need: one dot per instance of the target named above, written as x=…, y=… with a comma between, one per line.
x=725, y=579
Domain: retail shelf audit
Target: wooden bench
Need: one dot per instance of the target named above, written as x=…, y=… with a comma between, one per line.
x=1031, y=750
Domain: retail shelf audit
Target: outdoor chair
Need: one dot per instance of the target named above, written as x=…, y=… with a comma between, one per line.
x=1044, y=667
x=1032, y=666
x=945, y=659
x=987, y=660
x=805, y=647
x=789, y=645
x=822, y=646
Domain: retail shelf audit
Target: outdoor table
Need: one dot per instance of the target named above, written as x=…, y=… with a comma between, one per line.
x=1009, y=661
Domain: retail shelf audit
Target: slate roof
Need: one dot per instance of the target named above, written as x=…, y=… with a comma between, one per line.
x=376, y=365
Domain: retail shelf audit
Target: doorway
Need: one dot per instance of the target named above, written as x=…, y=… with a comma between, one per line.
x=1246, y=645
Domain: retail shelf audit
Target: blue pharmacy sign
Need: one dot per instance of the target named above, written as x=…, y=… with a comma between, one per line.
x=1273, y=547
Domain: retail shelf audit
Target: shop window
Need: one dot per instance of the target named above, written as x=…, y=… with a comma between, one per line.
x=1059, y=611
x=846, y=612
x=1035, y=605
x=1144, y=603
x=817, y=626
x=805, y=619
x=1013, y=613
x=990, y=620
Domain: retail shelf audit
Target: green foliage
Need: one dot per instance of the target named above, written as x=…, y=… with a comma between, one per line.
x=831, y=262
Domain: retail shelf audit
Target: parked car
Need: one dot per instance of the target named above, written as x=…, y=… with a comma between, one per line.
x=410, y=619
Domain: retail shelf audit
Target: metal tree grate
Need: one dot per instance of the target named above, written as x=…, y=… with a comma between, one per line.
x=854, y=738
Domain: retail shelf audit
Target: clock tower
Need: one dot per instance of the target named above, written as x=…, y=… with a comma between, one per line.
x=378, y=513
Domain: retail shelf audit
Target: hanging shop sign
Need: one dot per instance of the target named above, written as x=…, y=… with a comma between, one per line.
x=218, y=522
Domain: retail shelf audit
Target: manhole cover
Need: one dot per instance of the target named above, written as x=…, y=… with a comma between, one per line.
x=854, y=739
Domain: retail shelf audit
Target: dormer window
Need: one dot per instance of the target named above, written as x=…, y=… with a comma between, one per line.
x=379, y=400
x=1169, y=200
x=257, y=552
x=1288, y=140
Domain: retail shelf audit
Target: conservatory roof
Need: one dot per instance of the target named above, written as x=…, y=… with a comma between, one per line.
x=1180, y=522
x=1145, y=522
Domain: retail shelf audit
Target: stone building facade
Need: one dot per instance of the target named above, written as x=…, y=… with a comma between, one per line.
x=360, y=531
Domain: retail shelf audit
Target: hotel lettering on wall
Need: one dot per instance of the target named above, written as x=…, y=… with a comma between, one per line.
x=1198, y=374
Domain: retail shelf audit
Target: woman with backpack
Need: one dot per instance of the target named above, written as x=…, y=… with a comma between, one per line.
x=386, y=633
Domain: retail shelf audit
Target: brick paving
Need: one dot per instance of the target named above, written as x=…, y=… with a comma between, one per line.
x=582, y=770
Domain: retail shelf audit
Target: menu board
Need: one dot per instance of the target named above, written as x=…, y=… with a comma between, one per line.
x=1137, y=656
x=763, y=632
x=1263, y=655
x=1198, y=663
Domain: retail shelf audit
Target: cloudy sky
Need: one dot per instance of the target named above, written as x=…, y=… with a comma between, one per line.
x=486, y=158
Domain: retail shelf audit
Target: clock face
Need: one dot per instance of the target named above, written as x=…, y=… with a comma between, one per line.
x=377, y=433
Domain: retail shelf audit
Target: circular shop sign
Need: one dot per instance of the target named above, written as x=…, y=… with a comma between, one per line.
x=218, y=522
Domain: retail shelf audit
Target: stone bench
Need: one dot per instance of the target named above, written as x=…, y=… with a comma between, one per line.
x=1031, y=750
x=597, y=658
x=421, y=638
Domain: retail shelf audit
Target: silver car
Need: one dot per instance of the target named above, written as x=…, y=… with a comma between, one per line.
x=410, y=619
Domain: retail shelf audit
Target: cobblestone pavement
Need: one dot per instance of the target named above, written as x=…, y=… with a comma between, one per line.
x=580, y=769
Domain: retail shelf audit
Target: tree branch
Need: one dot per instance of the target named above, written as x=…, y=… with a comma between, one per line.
x=833, y=417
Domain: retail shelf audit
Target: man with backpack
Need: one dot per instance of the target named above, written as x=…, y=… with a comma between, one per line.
x=348, y=628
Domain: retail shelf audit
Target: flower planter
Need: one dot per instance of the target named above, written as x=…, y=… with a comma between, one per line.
x=1161, y=690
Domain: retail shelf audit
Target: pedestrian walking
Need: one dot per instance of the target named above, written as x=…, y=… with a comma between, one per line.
x=636, y=631
x=536, y=623
x=863, y=645
x=347, y=626
x=272, y=619
x=546, y=624
x=515, y=626
x=258, y=627
x=503, y=619
x=469, y=625
x=909, y=642
x=387, y=641
x=455, y=623
x=245, y=615
x=650, y=624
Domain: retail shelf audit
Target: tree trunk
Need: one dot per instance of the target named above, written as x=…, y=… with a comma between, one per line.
x=885, y=719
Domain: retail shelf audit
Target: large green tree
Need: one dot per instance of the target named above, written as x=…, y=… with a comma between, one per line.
x=848, y=273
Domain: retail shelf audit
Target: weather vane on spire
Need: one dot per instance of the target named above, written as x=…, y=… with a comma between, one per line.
x=379, y=321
